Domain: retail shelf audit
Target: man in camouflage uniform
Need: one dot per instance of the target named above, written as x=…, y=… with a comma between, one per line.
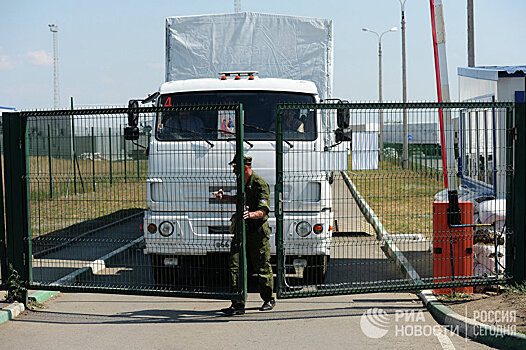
x=257, y=194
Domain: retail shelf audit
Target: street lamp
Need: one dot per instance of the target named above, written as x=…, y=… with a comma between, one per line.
x=405, y=154
x=380, y=114
x=54, y=29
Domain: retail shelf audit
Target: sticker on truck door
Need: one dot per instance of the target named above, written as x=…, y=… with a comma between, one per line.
x=226, y=123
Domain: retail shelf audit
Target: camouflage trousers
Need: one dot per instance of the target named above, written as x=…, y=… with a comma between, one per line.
x=258, y=253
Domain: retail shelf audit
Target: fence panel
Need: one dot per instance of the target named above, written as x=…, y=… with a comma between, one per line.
x=93, y=211
x=357, y=221
x=109, y=214
x=3, y=256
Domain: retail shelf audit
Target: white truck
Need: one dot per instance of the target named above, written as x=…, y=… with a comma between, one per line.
x=184, y=225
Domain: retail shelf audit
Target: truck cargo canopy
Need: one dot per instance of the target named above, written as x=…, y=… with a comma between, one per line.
x=277, y=46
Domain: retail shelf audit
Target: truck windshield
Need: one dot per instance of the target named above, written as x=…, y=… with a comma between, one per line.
x=259, y=113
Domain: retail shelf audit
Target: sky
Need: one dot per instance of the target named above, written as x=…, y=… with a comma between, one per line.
x=111, y=51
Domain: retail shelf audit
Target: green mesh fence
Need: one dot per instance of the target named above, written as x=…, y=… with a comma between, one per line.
x=353, y=219
x=137, y=214
x=348, y=213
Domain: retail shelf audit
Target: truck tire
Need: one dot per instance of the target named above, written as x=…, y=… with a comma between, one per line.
x=163, y=275
x=316, y=269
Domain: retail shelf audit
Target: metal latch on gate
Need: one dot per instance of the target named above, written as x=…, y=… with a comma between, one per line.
x=514, y=133
x=280, y=203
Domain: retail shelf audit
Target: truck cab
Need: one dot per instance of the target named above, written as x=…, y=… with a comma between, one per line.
x=189, y=154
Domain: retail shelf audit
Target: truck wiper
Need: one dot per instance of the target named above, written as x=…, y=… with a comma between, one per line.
x=193, y=133
x=229, y=133
x=266, y=130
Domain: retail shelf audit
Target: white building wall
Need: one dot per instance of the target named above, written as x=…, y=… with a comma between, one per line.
x=507, y=87
x=364, y=150
x=469, y=88
x=503, y=90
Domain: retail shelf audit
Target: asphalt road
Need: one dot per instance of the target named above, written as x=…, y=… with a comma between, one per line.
x=97, y=321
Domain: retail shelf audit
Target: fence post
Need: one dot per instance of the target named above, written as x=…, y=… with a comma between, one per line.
x=73, y=153
x=17, y=216
x=49, y=162
x=125, y=170
x=93, y=157
x=278, y=204
x=516, y=189
x=240, y=205
x=3, y=258
x=111, y=162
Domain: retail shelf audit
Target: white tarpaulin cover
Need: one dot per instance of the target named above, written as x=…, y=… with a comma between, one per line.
x=365, y=151
x=274, y=45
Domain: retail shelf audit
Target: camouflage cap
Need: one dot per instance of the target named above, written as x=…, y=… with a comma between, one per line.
x=246, y=159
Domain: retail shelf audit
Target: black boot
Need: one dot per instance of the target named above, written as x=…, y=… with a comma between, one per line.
x=268, y=305
x=233, y=310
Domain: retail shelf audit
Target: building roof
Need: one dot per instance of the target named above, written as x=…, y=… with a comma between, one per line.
x=492, y=72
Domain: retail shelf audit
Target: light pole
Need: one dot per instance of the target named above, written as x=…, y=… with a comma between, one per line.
x=471, y=35
x=405, y=153
x=380, y=114
x=54, y=29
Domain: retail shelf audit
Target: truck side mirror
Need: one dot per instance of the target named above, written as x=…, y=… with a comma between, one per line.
x=131, y=132
x=133, y=117
x=343, y=117
x=343, y=134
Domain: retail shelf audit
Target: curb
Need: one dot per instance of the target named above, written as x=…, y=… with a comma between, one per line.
x=365, y=208
x=401, y=261
x=11, y=311
x=96, y=265
x=42, y=295
x=14, y=309
x=467, y=327
x=389, y=247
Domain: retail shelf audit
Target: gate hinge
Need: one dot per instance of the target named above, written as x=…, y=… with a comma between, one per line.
x=514, y=133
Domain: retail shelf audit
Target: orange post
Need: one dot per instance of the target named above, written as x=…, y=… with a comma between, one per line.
x=452, y=247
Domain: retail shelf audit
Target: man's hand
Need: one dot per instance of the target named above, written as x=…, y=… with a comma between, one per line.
x=246, y=213
x=219, y=194
x=254, y=215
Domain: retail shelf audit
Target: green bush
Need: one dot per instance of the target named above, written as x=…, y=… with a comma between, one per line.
x=15, y=289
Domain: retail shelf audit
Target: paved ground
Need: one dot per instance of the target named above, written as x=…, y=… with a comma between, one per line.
x=346, y=212
x=96, y=321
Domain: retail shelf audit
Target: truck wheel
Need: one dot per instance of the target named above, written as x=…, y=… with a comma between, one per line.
x=163, y=275
x=316, y=269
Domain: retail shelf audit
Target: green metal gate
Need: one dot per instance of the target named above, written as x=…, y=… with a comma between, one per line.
x=350, y=219
x=77, y=191
x=3, y=258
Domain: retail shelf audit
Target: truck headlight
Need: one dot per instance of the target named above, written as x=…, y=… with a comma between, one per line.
x=166, y=228
x=303, y=229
